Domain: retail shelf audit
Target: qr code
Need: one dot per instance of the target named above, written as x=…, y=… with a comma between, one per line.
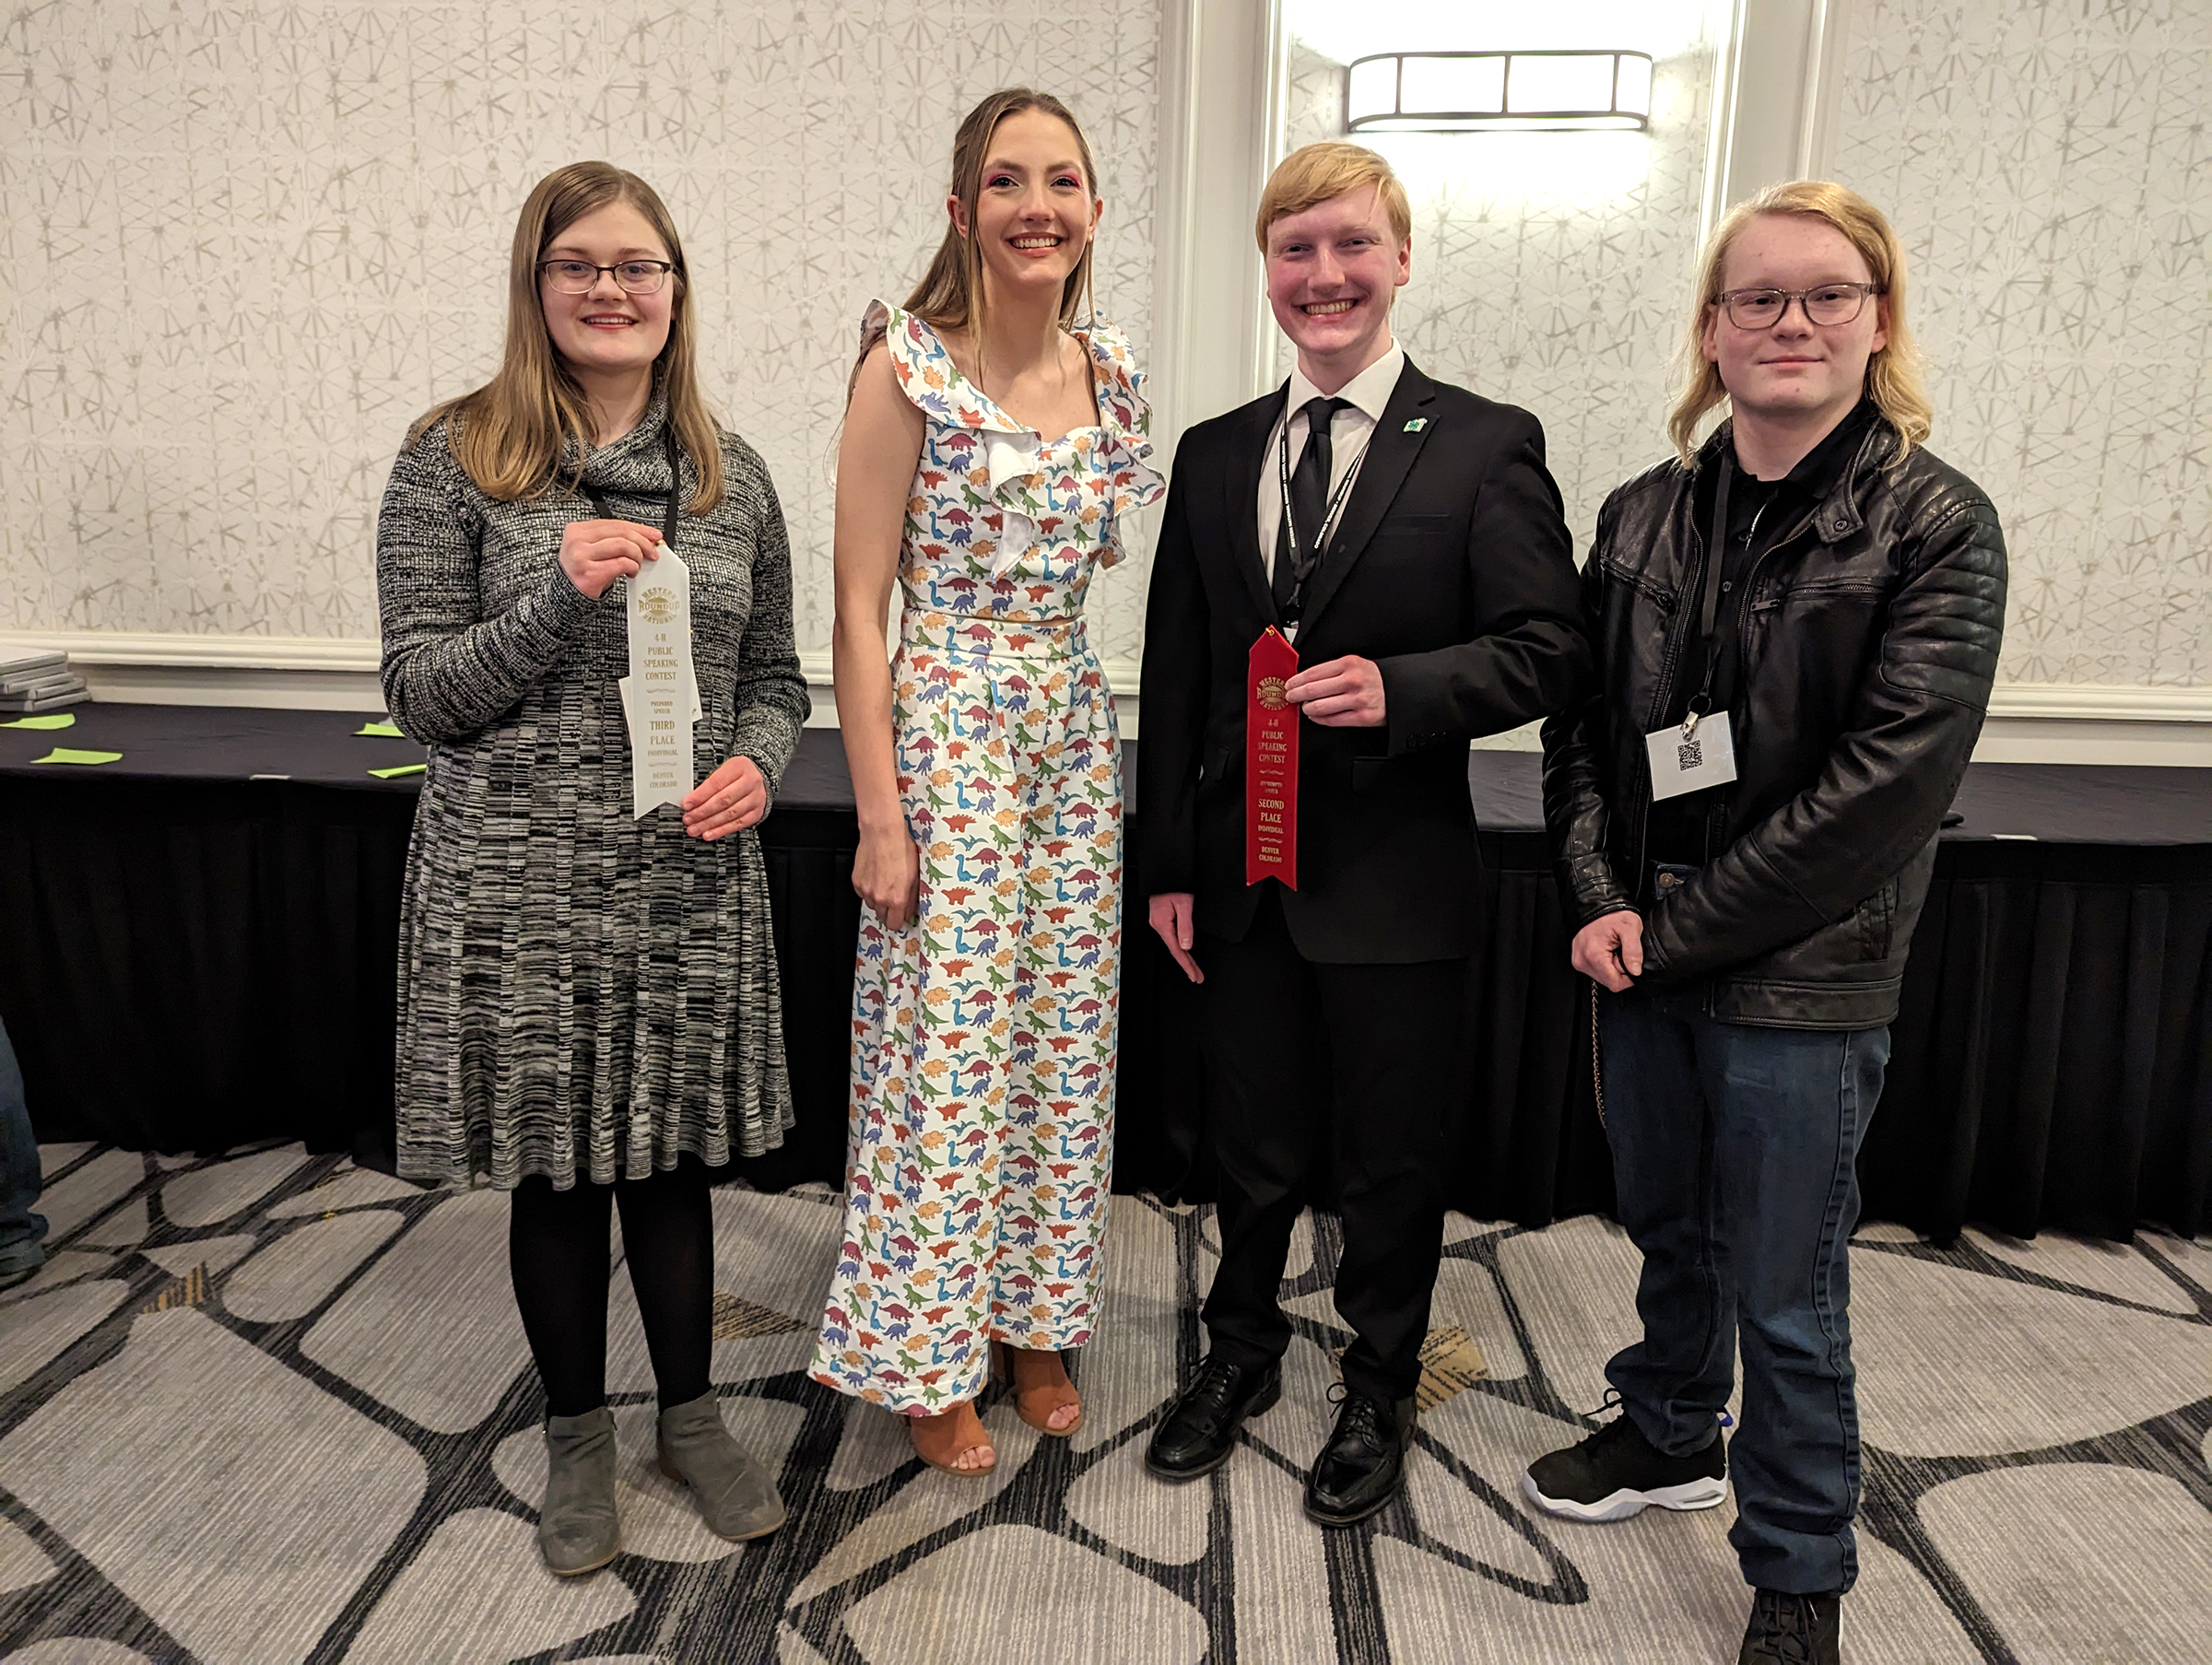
x=1690, y=754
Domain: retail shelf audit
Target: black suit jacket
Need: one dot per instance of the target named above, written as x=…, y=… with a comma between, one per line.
x=1451, y=568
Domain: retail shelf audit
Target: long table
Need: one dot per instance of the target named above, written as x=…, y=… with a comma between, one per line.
x=198, y=942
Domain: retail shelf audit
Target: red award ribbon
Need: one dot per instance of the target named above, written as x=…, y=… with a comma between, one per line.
x=1270, y=763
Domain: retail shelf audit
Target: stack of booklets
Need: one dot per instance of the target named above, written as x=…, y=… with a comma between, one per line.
x=38, y=682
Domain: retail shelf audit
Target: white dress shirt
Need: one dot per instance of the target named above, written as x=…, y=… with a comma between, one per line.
x=1349, y=432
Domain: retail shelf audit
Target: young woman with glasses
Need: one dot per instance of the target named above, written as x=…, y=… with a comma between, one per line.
x=588, y=1009
x=993, y=439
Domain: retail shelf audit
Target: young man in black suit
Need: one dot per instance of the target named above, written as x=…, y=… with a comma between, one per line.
x=1404, y=535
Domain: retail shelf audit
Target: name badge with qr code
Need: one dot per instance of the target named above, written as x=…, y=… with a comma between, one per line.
x=1690, y=754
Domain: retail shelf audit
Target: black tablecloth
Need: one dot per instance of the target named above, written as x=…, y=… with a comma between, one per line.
x=192, y=958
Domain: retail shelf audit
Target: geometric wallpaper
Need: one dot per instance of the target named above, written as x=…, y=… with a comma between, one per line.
x=2049, y=168
x=243, y=244
x=1550, y=270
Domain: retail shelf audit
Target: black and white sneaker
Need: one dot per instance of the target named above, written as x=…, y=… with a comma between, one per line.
x=1617, y=1472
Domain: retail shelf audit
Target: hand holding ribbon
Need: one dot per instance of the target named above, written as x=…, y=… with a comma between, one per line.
x=1340, y=693
x=730, y=800
x=595, y=553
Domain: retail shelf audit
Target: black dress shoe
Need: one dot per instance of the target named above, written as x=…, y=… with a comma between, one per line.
x=1200, y=1429
x=1364, y=1463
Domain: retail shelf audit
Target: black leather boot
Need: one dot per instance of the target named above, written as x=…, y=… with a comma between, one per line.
x=1200, y=1429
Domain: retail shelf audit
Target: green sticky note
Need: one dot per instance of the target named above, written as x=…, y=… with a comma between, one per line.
x=62, y=754
x=381, y=731
x=51, y=719
x=393, y=774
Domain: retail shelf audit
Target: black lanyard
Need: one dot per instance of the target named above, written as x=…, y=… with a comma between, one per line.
x=1709, y=600
x=1299, y=569
x=676, y=482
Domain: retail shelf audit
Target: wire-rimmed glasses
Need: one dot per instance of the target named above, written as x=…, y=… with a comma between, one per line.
x=1824, y=303
x=577, y=276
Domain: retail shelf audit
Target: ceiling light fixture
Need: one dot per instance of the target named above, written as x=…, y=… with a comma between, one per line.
x=1497, y=92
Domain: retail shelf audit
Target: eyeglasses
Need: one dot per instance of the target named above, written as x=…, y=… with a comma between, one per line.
x=578, y=276
x=1829, y=303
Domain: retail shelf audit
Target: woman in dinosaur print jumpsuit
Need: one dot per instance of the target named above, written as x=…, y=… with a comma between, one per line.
x=984, y=1028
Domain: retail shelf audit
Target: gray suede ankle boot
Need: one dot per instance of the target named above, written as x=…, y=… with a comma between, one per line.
x=577, y=1529
x=736, y=1495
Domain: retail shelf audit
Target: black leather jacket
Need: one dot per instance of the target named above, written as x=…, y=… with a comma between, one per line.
x=1868, y=636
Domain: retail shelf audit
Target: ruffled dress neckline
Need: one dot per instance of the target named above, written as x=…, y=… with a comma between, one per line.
x=1115, y=451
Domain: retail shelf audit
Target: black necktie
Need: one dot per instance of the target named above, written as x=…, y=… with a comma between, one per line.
x=1309, y=503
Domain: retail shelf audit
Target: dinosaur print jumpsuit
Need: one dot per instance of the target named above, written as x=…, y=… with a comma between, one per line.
x=983, y=1032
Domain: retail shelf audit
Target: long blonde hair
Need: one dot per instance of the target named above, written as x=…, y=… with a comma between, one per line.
x=1893, y=379
x=950, y=295
x=509, y=435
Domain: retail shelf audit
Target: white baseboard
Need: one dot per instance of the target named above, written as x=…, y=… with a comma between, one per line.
x=2028, y=723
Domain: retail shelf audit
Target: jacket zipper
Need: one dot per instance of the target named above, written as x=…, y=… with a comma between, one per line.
x=1743, y=643
x=1666, y=687
x=1659, y=704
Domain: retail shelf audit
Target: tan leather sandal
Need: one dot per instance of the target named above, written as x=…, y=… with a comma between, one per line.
x=1035, y=1404
x=961, y=1441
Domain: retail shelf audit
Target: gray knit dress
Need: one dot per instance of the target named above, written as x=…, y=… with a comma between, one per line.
x=582, y=995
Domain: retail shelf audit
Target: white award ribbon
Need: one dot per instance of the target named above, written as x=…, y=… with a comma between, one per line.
x=660, y=695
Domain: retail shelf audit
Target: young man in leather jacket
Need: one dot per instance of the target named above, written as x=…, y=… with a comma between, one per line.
x=1744, y=810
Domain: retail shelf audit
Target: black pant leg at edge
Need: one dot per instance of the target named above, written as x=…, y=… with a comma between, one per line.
x=1266, y=1079
x=1402, y=1061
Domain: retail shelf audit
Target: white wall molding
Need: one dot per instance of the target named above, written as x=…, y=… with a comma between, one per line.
x=177, y=650
x=160, y=667
x=1828, y=32
x=1220, y=109
x=2028, y=723
x=319, y=673
x=2095, y=702
x=1775, y=95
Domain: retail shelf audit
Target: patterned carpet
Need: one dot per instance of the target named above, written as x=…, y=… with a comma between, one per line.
x=275, y=1408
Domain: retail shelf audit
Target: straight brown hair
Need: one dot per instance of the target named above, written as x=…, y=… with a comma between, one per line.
x=950, y=295
x=509, y=435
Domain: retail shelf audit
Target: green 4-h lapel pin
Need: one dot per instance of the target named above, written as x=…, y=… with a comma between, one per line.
x=1417, y=424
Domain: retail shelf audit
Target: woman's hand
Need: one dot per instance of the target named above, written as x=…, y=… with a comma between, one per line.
x=887, y=873
x=730, y=800
x=595, y=553
x=876, y=464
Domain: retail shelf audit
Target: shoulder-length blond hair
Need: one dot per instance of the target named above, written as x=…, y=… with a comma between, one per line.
x=509, y=435
x=950, y=295
x=1893, y=378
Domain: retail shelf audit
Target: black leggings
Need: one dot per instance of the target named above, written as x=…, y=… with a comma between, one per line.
x=558, y=1249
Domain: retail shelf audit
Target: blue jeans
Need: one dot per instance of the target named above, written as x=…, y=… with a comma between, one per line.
x=1734, y=1153
x=22, y=1233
